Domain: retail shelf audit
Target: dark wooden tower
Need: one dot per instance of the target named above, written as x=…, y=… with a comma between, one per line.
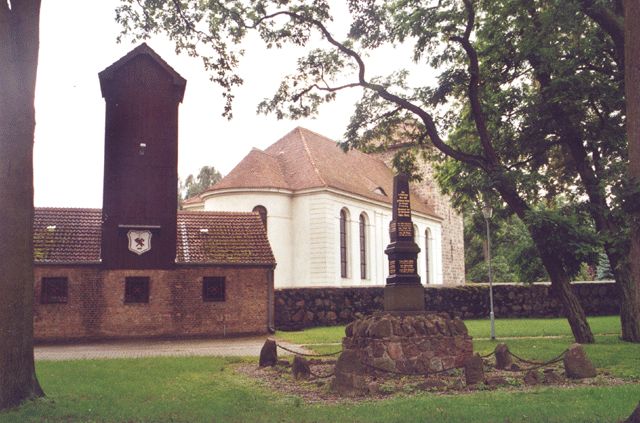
x=142, y=93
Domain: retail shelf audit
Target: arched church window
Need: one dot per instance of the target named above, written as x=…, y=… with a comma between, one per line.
x=427, y=254
x=344, y=263
x=363, y=246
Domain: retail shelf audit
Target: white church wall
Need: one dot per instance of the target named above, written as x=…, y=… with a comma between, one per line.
x=304, y=232
x=279, y=223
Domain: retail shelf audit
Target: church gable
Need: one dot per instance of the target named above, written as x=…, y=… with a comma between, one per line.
x=303, y=160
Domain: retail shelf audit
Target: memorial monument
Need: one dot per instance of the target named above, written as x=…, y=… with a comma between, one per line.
x=403, y=291
x=404, y=338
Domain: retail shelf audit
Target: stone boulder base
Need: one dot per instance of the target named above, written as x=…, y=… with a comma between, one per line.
x=550, y=377
x=300, y=368
x=532, y=377
x=474, y=370
x=269, y=353
x=349, y=374
x=576, y=363
x=400, y=342
x=503, y=357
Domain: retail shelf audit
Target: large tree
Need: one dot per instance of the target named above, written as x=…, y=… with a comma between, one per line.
x=471, y=117
x=196, y=185
x=632, y=87
x=19, y=40
x=555, y=75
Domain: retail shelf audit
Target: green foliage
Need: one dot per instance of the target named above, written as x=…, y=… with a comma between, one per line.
x=603, y=270
x=565, y=236
x=501, y=271
x=514, y=256
x=528, y=108
x=194, y=186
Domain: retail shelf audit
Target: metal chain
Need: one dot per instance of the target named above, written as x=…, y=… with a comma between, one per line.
x=540, y=363
x=536, y=364
x=536, y=367
x=308, y=355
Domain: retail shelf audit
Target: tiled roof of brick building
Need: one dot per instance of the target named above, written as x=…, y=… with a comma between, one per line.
x=303, y=159
x=73, y=236
x=66, y=235
x=222, y=238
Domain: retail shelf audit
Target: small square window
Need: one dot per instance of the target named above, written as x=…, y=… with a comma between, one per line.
x=213, y=288
x=136, y=289
x=54, y=291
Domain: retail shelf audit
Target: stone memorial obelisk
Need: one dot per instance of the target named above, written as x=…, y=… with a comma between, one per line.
x=403, y=338
x=403, y=291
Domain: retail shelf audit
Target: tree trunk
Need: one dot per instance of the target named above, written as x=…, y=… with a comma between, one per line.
x=19, y=35
x=561, y=287
x=560, y=282
x=630, y=314
x=629, y=310
x=606, y=226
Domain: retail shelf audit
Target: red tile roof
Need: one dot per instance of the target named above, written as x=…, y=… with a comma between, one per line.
x=303, y=159
x=257, y=170
x=73, y=236
x=222, y=238
x=67, y=235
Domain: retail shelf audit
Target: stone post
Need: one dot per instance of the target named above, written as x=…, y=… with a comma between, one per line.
x=403, y=291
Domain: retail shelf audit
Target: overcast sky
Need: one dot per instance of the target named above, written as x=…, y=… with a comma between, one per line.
x=78, y=40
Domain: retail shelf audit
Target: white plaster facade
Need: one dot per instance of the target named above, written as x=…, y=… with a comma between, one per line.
x=304, y=232
x=303, y=181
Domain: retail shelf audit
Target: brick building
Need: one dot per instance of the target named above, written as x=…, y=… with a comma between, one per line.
x=137, y=267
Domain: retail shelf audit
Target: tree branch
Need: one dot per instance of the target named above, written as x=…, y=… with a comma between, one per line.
x=327, y=88
x=427, y=119
x=474, y=85
x=611, y=23
x=188, y=24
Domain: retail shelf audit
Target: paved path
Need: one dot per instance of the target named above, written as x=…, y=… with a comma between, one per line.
x=151, y=348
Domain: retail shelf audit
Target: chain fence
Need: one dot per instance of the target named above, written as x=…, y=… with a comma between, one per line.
x=534, y=364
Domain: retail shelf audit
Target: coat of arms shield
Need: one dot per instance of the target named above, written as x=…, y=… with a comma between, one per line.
x=139, y=241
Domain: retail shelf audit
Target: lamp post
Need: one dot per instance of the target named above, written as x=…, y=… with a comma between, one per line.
x=487, y=212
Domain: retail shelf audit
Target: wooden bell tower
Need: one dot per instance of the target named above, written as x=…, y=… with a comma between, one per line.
x=139, y=209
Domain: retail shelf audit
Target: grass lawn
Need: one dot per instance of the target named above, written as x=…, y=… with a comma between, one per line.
x=601, y=325
x=206, y=389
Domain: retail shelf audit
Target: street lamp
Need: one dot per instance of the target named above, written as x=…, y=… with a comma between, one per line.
x=487, y=212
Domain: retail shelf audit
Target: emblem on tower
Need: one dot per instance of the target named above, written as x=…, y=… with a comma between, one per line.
x=139, y=241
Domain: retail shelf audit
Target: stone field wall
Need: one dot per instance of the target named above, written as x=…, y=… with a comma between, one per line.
x=298, y=308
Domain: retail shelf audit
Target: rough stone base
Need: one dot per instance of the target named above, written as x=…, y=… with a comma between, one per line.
x=406, y=343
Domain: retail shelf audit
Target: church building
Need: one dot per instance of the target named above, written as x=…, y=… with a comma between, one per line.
x=138, y=267
x=327, y=214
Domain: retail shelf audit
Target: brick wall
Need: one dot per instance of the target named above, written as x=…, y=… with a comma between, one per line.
x=96, y=309
x=298, y=308
x=452, y=224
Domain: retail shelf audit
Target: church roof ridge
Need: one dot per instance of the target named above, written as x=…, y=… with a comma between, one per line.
x=303, y=159
x=301, y=131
